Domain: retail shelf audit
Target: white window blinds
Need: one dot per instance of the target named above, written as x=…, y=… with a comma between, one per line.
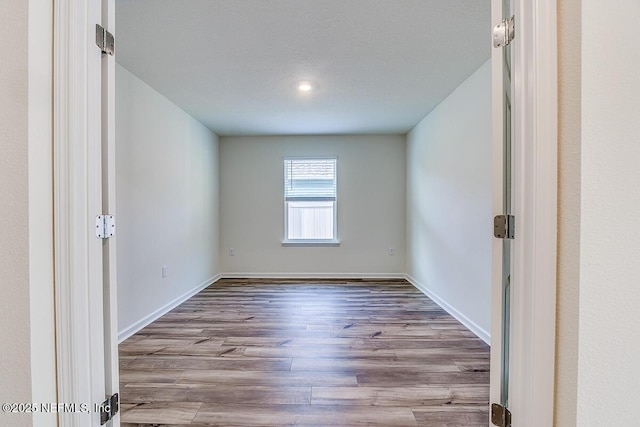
x=310, y=179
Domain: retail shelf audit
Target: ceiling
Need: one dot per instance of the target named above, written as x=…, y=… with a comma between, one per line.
x=379, y=66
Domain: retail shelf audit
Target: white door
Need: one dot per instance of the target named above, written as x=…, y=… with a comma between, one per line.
x=109, y=282
x=503, y=149
x=84, y=176
x=103, y=302
x=99, y=362
x=94, y=362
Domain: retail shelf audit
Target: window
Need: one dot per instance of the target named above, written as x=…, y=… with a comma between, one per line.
x=310, y=190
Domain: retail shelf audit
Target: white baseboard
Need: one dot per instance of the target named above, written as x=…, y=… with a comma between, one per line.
x=137, y=326
x=470, y=324
x=312, y=275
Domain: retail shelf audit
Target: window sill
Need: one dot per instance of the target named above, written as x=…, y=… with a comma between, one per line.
x=309, y=243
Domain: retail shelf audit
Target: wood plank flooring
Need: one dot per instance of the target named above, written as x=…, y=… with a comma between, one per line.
x=314, y=353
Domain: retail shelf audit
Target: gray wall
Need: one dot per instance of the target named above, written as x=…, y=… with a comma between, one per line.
x=167, y=201
x=449, y=183
x=371, y=208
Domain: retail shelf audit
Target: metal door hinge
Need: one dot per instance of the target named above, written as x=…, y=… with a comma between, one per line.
x=504, y=32
x=105, y=40
x=105, y=226
x=504, y=226
x=500, y=416
x=109, y=408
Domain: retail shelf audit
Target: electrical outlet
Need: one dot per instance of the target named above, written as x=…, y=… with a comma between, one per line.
x=392, y=250
x=164, y=271
x=232, y=252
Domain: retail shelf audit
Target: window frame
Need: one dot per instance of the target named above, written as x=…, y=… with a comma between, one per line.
x=310, y=242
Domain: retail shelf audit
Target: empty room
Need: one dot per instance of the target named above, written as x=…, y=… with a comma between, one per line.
x=304, y=207
x=288, y=223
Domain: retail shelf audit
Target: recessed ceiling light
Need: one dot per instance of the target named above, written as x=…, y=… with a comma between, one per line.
x=305, y=86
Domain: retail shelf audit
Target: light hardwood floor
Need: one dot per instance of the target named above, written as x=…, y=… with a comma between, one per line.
x=289, y=352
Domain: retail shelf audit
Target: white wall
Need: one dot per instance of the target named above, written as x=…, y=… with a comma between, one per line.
x=449, y=224
x=371, y=207
x=167, y=201
x=610, y=212
x=15, y=366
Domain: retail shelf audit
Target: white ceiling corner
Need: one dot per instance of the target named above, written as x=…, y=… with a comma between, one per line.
x=379, y=66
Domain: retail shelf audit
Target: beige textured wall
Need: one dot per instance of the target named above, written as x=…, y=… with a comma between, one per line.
x=569, y=124
x=598, y=336
x=609, y=343
x=15, y=369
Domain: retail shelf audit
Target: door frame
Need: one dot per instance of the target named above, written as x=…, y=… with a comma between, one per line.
x=533, y=303
x=535, y=109
x=77, y=199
